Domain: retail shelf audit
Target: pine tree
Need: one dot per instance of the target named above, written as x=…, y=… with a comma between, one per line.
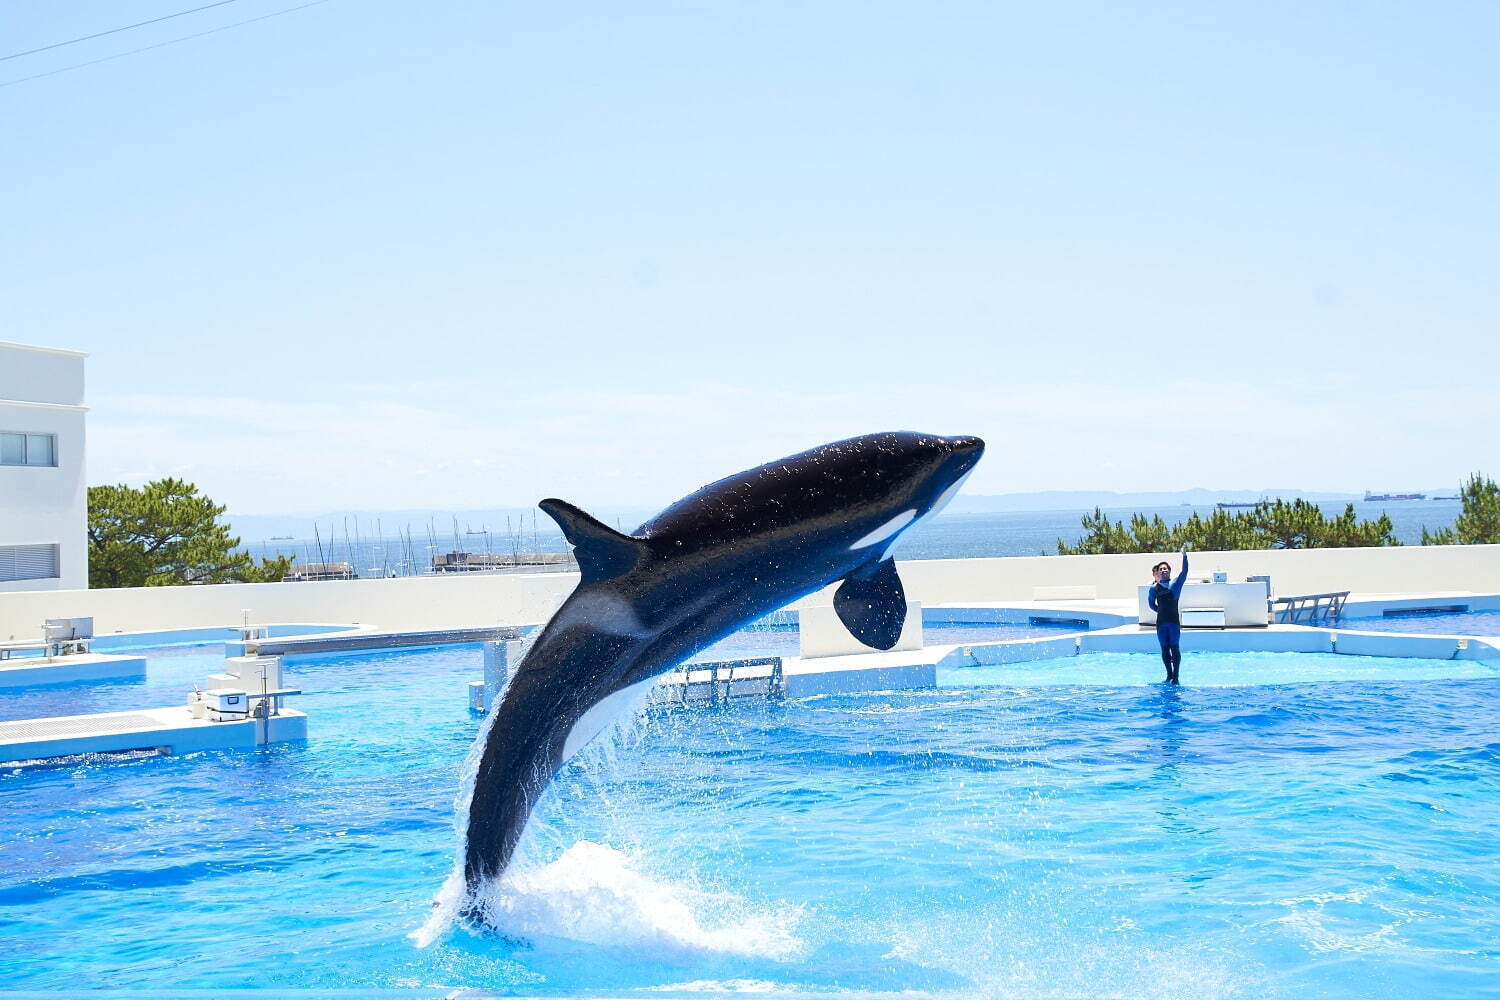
x=1479, y=517
x=166, y=533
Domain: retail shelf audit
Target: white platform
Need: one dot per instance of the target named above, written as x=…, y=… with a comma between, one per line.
x=173, y=730
x=24, y=671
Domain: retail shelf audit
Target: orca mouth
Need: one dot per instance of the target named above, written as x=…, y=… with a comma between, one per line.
x=964, y=453
x=968, y=449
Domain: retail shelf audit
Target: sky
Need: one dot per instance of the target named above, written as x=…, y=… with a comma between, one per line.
x=454, y=255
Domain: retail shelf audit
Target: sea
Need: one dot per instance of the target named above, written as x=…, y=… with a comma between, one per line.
x=948, y=536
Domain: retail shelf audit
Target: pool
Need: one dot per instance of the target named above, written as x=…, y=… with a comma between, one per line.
x=1431, y=623
x=1288, y=825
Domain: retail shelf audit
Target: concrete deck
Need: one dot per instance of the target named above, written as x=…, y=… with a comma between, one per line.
x=173, y=730
x=369, y=639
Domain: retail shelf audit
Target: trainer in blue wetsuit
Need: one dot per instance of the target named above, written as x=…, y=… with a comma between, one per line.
x=1164, y=598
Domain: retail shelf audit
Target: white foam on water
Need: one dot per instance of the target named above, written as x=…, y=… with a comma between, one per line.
x=711, y=986
x=450, y=898
x=593, y=894
x=590, y=893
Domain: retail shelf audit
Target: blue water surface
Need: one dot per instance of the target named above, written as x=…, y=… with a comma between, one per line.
x=765, y=639
x=1284, y=825
x=1437, y=623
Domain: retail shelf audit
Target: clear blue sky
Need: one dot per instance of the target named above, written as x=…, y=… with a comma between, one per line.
x=376, y=255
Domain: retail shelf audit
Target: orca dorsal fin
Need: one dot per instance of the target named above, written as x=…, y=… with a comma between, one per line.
x=872, y=604
x=601, y=551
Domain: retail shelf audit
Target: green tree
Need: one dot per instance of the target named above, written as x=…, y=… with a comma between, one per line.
x=1152, y=535
x=1479, y=517
x=1277, y=524
x=1220, y=531
x=1348, y=532
x=1100, y=536
x=1294, y=525
x=163, y=534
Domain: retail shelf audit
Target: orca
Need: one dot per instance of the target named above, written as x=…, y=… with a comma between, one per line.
x=709, y=564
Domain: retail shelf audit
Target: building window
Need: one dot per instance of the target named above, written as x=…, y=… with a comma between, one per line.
x=27, y=449
x=28, y=562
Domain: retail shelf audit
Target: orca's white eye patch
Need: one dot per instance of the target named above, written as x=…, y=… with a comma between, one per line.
x=886, y=530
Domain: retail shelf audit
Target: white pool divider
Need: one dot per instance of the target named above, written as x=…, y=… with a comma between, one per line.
x=500, y=658
x=26, y=671
x=241, y=707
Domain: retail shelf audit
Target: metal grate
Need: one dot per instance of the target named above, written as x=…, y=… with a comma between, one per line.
x=46, y=729
x=1452, y=609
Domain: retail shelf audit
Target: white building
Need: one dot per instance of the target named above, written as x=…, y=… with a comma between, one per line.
x=43, y=494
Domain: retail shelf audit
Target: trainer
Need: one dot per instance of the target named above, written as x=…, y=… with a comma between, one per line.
x=1164, y=598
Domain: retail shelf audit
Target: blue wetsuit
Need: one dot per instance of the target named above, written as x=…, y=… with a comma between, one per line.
x=1164, y=600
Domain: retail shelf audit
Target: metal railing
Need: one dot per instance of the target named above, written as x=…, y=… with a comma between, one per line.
x=1297, y=608
x=715, y=681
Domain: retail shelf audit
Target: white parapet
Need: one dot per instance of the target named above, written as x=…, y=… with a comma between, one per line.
x=823, y=634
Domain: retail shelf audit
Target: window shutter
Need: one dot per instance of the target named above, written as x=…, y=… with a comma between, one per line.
x=28, y=562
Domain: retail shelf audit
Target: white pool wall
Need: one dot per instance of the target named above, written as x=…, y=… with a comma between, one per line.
x=458, y=600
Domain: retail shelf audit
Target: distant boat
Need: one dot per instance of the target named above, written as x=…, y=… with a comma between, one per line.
x=1232, y=506
x=1443, y=498
x=281, y=538
x=1376, y=497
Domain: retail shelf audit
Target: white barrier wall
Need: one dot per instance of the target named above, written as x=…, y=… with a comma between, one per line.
x=447, y=601
x=451, y=601
x=1402, y=569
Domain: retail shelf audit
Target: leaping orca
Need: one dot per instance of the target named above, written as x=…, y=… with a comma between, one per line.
x=701, y=569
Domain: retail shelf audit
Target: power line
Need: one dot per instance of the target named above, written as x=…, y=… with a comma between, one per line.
x=113, y=31
x=160, y=45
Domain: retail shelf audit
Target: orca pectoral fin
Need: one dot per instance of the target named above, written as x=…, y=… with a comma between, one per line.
x=602, y=552
x=872, y=604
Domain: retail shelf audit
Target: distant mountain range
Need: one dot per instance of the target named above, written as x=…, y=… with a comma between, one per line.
x=470, y=524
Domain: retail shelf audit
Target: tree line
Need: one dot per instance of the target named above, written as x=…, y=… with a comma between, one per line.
x=1284, y=524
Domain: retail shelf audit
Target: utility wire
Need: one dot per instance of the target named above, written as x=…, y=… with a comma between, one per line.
x=113, y=31
x=170, y=41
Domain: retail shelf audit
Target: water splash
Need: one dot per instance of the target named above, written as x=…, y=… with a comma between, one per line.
x=449, y=901
x=586, y=878
x=592, y=894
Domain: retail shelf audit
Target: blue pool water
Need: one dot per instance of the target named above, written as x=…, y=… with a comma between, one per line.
x=782, y=640
x=1440, y=623
x=1287, y=825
